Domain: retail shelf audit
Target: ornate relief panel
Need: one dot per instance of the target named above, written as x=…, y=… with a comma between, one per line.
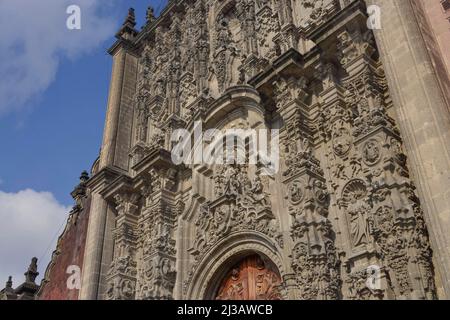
x=343, y=201
x=241, y=204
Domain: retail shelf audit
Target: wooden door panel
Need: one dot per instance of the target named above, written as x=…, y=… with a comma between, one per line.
x=251, y=279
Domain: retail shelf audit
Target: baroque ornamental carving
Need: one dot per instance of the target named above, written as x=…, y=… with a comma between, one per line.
x=342, y=204
x=371, y=152
x=314, y=257
x=241, y=204
x=314, y=12
x=342, y=142
x=357, y=205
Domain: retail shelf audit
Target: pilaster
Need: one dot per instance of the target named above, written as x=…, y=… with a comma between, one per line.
x=423, y=118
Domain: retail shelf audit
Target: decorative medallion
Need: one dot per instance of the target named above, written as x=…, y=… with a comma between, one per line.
x=296, y=193
x=371, y=152
x=342, y=142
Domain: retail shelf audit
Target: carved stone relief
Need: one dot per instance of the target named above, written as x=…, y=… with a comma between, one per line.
x=343, y=199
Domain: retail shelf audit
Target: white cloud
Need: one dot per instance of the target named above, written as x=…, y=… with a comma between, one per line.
x=34, y=38
x=29, y=222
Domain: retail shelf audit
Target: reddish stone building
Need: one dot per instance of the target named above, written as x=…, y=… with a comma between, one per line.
x=67, y=259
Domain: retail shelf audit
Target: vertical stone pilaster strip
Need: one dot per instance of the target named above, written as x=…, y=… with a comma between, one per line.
x=93, y=249
x=423, y=118
x=113, y=111
x=114, y=153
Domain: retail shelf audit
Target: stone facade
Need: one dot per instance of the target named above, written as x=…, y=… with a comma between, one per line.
x=363, y=128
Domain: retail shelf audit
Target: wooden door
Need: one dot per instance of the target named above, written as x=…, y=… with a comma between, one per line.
x=250, y=279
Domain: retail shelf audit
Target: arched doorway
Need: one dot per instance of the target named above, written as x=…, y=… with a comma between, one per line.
x=252, y=278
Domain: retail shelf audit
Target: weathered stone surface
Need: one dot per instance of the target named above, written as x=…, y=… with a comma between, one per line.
x=357, y=111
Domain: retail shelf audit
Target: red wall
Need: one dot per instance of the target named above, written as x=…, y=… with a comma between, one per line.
x=71, y=252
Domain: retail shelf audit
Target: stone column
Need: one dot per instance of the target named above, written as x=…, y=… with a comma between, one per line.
x=93, y=249
x=114, y=159
x=423, y=118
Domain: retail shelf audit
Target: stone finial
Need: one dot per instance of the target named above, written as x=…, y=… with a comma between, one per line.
x=8, y=291
x=9, y=283
x=128, y=27
x=80, y=189
x=131, y=18
x=84, y=177
x=79, y=192
x=31, y=274
x=150, y=15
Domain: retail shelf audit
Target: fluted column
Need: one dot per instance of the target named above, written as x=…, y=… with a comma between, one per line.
x=423, y=118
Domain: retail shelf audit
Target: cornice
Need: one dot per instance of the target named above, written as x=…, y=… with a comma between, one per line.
x=103, y=178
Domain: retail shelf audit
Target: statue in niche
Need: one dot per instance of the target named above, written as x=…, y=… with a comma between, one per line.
x=142, y=117
x=223, y=34
x=358, y=209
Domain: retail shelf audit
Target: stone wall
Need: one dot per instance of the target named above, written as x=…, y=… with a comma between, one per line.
x=363, y=123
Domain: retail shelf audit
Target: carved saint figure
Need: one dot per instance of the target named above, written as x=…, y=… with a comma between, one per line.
x=257, y=192
x=221, y=217
x=233, y=184
x=223, y=34
x=358, y=210
x=142, y=117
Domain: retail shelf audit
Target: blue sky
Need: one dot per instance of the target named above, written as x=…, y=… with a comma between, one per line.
x=51, y=115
